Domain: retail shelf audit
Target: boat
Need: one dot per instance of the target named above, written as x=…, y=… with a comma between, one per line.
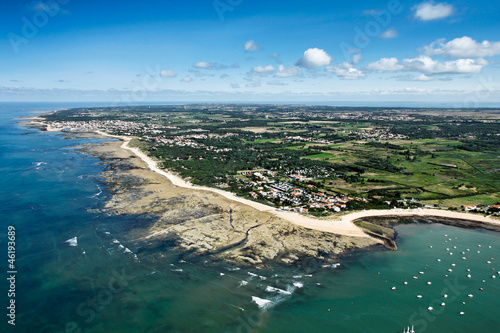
x=407, y=330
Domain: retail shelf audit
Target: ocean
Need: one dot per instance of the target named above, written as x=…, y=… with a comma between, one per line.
x=74, y=273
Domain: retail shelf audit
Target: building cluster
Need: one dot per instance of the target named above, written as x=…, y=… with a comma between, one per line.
x=378, y=134
x=191, y=140
x=111, y=126
x=301, y=198
x=301, y=138
x=491, y=209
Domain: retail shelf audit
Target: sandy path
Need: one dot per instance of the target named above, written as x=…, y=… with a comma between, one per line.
x=342, y=226
x=420, y=212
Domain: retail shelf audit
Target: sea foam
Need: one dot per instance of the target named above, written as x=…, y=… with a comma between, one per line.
x=72, y=241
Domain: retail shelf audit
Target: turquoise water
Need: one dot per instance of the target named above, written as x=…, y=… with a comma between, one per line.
x=106, y=283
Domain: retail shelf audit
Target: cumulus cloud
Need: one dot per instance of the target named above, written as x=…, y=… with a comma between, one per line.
x=428, y=11
x=168, y=73
x=427, y=65
x=346, y=71
x=314, y=57
x=464, y=47
x=385, y=65
x=288, y=71
x=263, y=70
x=389, y=33
x=251, y=46
x=187, y=79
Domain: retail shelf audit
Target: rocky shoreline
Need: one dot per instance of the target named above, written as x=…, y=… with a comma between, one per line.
x=205, y=224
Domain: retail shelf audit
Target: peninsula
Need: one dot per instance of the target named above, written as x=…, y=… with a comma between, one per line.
x=320, y=168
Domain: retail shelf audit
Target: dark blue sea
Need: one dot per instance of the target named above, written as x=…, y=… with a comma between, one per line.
x=76, y=273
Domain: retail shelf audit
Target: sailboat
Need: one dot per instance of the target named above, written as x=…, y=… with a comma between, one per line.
x=408, y=330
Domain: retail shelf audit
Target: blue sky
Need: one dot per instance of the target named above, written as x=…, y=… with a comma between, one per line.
x=242, y=50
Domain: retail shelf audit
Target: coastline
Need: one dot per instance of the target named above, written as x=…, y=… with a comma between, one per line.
x=341, y=225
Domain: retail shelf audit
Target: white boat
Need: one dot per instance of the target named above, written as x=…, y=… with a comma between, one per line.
x=408, y=330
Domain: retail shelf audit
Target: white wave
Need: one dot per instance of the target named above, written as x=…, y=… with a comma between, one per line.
x=297, y=276
x=107, y=233
x=116, y=241
x=72, y=241
x=332, y=265
x=127, y=251
x=177, y=270
x=298, y=284
x=252, y=274
x=243, y=283
x=262, y=303
x=98, y=193
x=270, y=289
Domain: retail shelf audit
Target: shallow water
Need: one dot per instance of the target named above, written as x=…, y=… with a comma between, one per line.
x=100, y=282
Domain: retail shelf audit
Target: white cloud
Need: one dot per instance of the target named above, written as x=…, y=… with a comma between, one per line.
x=356, y=58
x=288, y=71
x=385, y=65
x=203, y=64
x=168, y=73
x=389, y=33
x=187, y=79
x=235, y=85
x=464, y=47
x=263, y=70
x=423, y=77
x=427, y=65
x=346, y=71
x=428, y=11
x=251, y=46
x=314, y=57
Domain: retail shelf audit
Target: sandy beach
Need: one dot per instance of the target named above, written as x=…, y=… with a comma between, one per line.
x=343, y=225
